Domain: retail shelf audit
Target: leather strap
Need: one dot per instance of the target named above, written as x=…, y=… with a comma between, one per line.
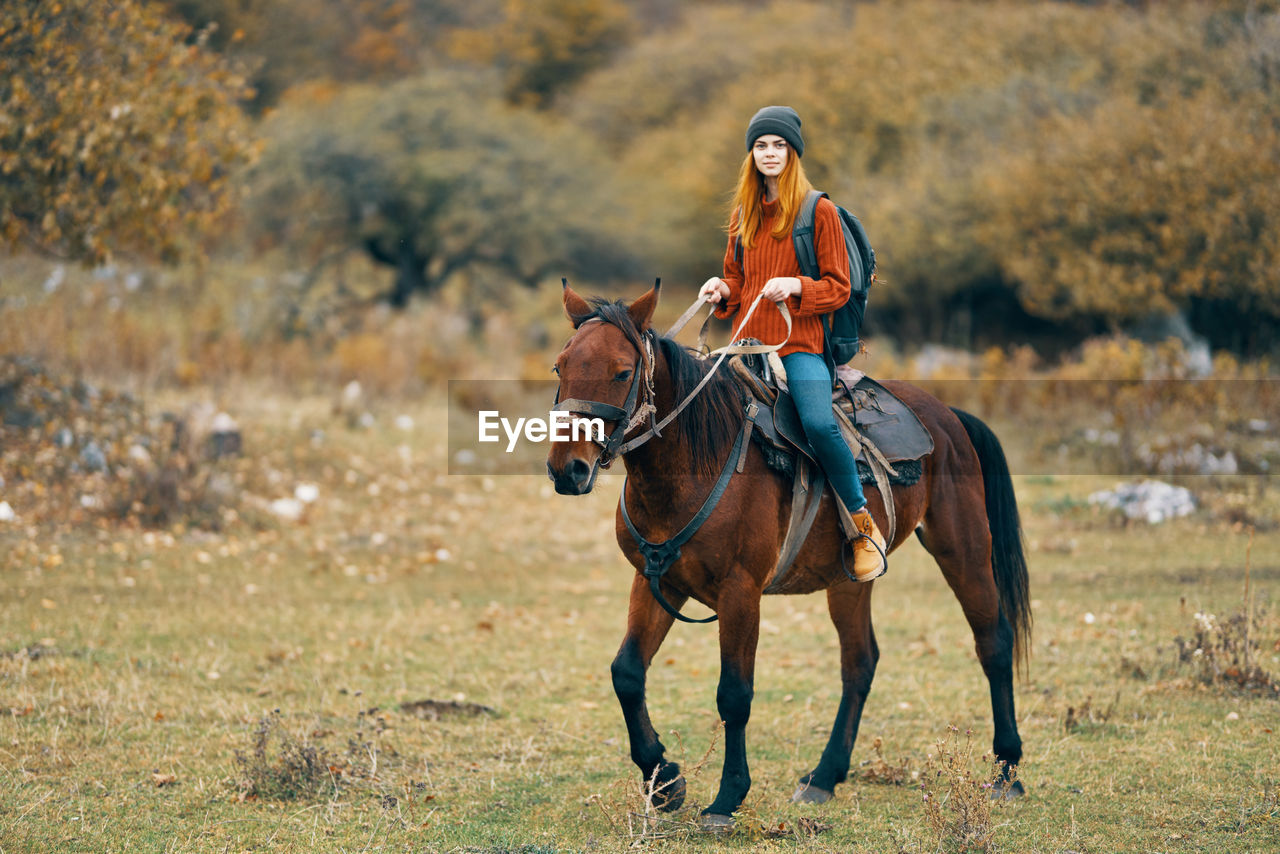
x=805, y=500
x=659, y=557
x=723, y=353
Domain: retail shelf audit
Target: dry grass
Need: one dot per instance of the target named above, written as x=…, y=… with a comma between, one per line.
x=479, y=616
x=131, y=653
x=958, y=806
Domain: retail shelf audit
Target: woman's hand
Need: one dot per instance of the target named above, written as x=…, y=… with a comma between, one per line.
x=781, y=287
x=714, y=290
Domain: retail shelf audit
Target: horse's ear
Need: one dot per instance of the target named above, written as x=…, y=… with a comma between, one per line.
x=575, y=306
x=641, y=311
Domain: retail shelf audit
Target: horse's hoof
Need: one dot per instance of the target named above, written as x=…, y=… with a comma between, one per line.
x=712, y=823
x=669, y=796
x=1008, y=792
x=810, y=794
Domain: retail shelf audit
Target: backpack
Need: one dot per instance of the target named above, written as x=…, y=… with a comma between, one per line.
x=841, y=326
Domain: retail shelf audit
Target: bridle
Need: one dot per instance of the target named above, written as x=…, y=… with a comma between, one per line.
x=659, y=557
x=627, y=417
x=636, y=408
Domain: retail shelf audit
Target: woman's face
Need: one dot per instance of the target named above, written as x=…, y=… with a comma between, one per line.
x=771, y=153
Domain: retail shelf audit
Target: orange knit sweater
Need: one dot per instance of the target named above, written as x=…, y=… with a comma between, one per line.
x=771, y=257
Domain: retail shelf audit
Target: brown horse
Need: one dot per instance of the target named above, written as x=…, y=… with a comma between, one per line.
x=962, y=509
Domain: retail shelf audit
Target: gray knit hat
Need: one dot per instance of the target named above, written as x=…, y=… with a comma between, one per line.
x=783, y=121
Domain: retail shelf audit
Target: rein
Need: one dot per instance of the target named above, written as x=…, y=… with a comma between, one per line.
x=723, y=352
x=659, y=557
x=630, y=415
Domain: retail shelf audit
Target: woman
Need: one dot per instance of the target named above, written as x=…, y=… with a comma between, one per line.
x=771, y=187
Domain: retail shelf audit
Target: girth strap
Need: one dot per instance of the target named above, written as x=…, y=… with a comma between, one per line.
x=659, y=557
x=805, y=500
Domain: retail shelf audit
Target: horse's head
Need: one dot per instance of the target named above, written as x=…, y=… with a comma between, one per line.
x=603, y=371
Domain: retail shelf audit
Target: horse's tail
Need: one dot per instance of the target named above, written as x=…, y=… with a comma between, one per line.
x=1008, y=560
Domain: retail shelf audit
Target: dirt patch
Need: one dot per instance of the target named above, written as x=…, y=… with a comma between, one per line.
x=434, y=710
x=32, y=653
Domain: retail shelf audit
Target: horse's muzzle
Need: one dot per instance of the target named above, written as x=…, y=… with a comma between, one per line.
x=574, y=479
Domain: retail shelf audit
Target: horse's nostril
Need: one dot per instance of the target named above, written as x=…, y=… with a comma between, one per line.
x=577, y=470
x=573, y=479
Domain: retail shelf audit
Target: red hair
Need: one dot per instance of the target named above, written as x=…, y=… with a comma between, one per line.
x=793, y=186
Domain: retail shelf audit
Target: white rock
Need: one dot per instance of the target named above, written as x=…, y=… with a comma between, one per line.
x=404, y=422
x=223, y=423
x=6, y=512
x=1150, y=500
x=289, y=509
x=307, y=493
x=55, y=279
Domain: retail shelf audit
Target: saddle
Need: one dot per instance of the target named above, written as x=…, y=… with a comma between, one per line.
x=885, y=428
x=880, y=428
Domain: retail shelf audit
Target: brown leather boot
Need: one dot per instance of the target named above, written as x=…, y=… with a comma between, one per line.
x=868, y=543
x=869, y=549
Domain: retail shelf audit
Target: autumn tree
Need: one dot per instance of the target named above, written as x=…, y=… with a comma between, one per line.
x=434, y=176
x=115, y=135
x=964, y=141
x=288, y=43
x=1138, y=209
x=543, y=47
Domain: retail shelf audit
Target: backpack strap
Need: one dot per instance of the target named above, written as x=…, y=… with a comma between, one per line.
x=802, y=234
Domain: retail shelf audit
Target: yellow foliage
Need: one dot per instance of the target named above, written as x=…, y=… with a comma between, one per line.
x=1135, y=207
x=115, y=135
x=542, y=47
x=362, y=356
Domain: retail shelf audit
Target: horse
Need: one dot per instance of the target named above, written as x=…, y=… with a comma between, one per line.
x=962, y=509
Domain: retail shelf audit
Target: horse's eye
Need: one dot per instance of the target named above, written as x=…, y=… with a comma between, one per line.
x=622, y=376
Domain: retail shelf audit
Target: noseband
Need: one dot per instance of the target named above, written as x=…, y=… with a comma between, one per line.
x=627, y=417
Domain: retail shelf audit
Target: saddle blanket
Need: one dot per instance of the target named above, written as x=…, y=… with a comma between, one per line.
x=906, y=472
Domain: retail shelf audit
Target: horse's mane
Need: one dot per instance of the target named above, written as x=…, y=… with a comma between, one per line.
x=712, y=417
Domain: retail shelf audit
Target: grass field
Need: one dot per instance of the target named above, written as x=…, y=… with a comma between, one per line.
x=178, y=690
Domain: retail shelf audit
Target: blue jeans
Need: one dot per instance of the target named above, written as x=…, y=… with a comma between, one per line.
x=809, y=381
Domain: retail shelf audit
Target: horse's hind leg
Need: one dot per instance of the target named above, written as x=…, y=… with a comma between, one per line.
x=647, y=627
x=850, y=609
x=963, y=551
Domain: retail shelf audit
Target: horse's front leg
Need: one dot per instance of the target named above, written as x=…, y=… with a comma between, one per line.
x=850, y=609
x=647, y=627
x=739, y=609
